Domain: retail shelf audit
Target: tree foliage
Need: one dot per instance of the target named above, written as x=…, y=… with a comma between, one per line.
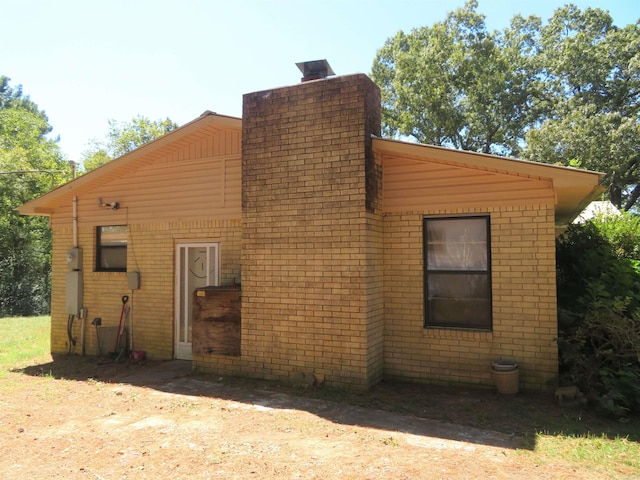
x=565, y=92
x=30, y=165
x=123, y=137
x=456, y=84
x=592, y=78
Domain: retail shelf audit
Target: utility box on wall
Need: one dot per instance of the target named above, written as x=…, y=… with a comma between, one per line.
x=73, y=302
x=133, y=280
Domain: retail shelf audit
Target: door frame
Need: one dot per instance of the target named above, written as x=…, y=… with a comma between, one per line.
x=182, y=349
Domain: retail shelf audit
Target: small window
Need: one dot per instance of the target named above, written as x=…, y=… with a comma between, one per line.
x=457, y=279
x=111, y=248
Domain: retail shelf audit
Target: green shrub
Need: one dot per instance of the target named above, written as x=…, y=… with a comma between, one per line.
x=622, y=232
x=599, y=314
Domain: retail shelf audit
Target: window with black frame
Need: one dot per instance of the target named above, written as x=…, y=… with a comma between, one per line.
x=457, y=279
x=111, y=248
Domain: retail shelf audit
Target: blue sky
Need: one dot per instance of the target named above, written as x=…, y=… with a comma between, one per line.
x=87, y=61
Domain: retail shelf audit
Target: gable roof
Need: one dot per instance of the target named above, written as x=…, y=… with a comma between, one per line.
x=573, y=188
x=206, y=124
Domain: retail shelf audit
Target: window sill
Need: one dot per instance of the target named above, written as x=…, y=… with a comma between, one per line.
x=458, y=333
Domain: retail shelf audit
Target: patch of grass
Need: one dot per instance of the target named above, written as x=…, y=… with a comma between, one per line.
x=618, y=456
x=182, y=404
x=22, y=339
x=391, y=441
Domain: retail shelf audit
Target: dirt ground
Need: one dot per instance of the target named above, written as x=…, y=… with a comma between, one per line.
x=77, y=417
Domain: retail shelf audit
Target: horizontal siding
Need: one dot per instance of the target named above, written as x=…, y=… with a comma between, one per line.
x=194, y=178
x=411, y=185
x=203, y=188
x=223, y=143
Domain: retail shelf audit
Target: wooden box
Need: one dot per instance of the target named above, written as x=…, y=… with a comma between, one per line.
x=216, y=321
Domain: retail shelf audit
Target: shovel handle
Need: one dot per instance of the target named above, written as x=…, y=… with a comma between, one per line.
x=125, y=299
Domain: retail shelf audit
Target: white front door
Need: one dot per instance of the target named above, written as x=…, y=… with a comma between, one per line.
x=196, y=267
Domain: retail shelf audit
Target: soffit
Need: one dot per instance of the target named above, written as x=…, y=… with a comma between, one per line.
x=573, y=188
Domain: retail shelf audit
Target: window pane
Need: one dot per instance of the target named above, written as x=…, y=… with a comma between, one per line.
x=458, y=230
x=459, y=313
x=198, y=264
x=113, y=236
x=183, y=296
x=213, y=276
x=457, y=256
x=459, y=301
x=111, y=248
x=457, y=285
x=457, y=244
x=113, y=258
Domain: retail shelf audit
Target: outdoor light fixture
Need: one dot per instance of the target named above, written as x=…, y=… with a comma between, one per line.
x=111, y=205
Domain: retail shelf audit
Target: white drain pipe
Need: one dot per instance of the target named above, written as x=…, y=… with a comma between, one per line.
x=75, y=222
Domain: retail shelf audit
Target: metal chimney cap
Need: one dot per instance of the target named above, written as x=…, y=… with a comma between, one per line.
x=315, y=69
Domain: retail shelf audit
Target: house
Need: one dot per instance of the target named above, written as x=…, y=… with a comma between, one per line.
x=359, y=258
x=598, y=209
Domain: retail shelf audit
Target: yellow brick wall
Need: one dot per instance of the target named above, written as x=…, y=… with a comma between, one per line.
x=151, y=251
x=311, y=234
x=524, y=303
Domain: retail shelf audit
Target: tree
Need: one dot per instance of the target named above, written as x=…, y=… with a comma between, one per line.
x=123, y=137
x=566, y=92
x=591, y=72
x=30, y=165
x=456, y=84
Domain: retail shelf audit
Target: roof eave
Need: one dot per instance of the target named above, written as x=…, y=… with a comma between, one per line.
x=574, y=187
x=83, y=183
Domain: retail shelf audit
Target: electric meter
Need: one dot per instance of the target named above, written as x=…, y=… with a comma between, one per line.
x=74, y=258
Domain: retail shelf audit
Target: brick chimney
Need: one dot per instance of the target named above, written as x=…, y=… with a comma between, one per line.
x=312, y=230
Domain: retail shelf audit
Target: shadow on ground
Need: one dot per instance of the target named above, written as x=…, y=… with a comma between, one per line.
x=478, y=416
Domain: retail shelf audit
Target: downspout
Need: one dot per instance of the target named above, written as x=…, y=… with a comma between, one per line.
x=75, y=222
x=75, y=245
x=75, y=208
